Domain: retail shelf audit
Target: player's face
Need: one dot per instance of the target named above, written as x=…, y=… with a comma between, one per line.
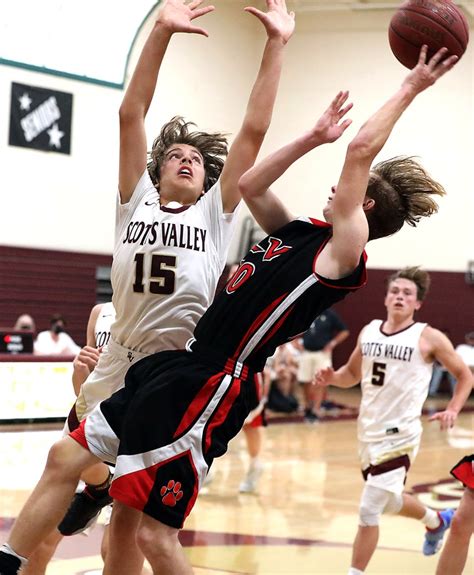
x=327, y=210
x=182, y=174
x=402, y=299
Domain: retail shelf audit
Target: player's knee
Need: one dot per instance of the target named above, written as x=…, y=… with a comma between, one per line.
x=63, y=460
x=160, y=542
x=462, y=526
x=372, y=505
x=57, y=457
x=394, y=503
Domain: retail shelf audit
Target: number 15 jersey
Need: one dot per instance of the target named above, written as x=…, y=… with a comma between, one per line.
x=167, y=262
x=395, y=382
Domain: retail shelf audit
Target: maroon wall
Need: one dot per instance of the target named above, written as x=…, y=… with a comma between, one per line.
x=448, y=306
x=43, y=282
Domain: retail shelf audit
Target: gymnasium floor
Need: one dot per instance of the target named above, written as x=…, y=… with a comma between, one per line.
x=302, y=520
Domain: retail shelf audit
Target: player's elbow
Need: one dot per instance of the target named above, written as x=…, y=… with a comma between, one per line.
x=247, y=188
x=130, y=113
x=362, y=148
x=255, y=128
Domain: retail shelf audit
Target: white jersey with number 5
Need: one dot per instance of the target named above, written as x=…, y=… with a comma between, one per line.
x=395, y=382
x=167, y=262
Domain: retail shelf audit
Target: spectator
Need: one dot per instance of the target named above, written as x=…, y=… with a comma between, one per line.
x=284, y=369
x=25, y=322
x=55, y=340
x=326, y=332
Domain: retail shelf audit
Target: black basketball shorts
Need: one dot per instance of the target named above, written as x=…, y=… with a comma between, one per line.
x=175, y=414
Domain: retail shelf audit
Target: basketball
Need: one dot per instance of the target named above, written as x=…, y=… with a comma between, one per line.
x=436, y=23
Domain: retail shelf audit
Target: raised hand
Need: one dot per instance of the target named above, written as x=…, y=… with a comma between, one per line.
x=426, y=73
x=329, y=127
x=176, y=16
x=278, y=22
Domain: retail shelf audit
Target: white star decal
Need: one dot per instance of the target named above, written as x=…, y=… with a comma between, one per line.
x=55, y=136
x=25, y=102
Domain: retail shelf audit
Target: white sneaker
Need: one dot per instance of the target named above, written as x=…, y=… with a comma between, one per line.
x=249, y=484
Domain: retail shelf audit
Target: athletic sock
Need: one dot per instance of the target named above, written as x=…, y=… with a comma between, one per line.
x=10, y=562
x=431, y=519
x=97, y=491
x=255, y=462
x=354, y=571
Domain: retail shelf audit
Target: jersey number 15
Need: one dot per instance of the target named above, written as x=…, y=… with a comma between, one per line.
x=162, y=274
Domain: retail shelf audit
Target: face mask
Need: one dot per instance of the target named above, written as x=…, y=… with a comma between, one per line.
x=57, y=328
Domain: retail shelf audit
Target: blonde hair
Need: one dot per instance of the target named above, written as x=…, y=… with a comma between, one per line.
x=401, y=189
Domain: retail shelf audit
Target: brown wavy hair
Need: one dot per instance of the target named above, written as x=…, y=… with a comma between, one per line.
x=212, y=146
x=401, y=189
x=421, y=278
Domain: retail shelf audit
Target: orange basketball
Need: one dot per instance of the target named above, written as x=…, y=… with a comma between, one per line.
x=437, y=23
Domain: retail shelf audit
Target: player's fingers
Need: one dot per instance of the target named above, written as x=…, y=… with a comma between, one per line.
x=346, y=123
x=201, y=12
x=258, y=13
x=423, y=53
x=194, y=4
x=438, y=56
x=344, y=111
x=196, y=30
x=447, y=64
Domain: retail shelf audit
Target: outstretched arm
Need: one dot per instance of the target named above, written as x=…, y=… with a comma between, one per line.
x=350, y=224
x=265, y=206
x=346, y=376
x=174, y=16
x=444, y=353
x=279, y=25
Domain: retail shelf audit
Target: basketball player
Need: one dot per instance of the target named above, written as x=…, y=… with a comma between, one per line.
x=454, y=554
x=393, y=360
x=179, y=409
x=171, y=237
x=97, y=336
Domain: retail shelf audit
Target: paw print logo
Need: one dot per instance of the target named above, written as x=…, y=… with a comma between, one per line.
x=171, y=493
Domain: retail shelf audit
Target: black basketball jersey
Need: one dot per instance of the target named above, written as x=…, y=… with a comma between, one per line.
x=274, y=295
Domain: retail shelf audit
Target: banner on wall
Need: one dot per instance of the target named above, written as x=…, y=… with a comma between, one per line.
x=40, y=119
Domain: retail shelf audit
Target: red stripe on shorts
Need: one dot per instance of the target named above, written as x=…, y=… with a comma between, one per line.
x=464, y=471
x=133, y=489
x=198, y=403
x=79, y=435
x=219, y=416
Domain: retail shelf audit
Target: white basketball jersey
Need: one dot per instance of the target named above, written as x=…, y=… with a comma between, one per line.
x=167, y=262
x=104, y=321
x=395, y=381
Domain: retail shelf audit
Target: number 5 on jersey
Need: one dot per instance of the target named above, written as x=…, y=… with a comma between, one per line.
x=378, y=373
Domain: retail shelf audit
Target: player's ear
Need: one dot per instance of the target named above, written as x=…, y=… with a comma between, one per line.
x=368, y=204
